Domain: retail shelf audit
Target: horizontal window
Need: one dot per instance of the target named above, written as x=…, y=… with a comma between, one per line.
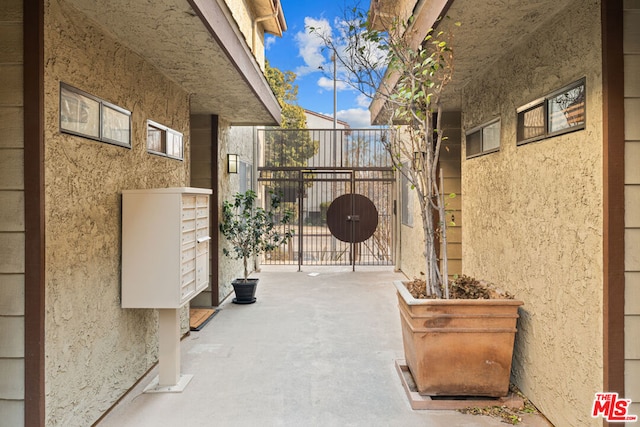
x=164, y=141
x=557, y=113
x=85, y=115
x=483, y=139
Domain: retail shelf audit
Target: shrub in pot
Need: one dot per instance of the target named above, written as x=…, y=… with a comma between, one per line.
x=252, y=230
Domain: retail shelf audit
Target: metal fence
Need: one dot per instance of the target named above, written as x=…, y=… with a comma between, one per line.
x=311, y=168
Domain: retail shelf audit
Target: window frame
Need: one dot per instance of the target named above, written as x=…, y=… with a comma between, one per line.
x=544, y=102
x=102, y=105
x=164, y=140
x=480, y=129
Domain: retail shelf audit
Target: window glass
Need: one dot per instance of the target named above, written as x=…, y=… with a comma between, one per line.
x=79, y=114
x=531, y=123
x=116, y=125
x=474, y=143
x=174, y=144
x=491, y=137
x=245, y=174
x=567, y=109
x=407, y=201
x=154, y=139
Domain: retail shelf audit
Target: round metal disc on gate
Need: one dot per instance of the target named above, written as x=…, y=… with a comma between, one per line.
x=352, y=218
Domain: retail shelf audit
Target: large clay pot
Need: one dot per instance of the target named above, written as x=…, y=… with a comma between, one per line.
x=458, y=347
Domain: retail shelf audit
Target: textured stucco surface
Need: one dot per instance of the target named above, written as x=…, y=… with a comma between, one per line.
x=534, y=214
x=95, y=350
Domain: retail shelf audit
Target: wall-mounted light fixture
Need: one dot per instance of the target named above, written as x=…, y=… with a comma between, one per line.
x=232, y=163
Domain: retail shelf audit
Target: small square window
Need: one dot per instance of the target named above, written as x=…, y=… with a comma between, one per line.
x=491, y=137
x=116, y=125
x=174, y=144
x=474, y=143
x=531, y=123
x=406, y=199
x=155, y=139
x=567, y=109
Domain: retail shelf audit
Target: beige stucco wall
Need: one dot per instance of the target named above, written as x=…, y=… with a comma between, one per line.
x=533, y=214
x=632, y=204
x=95, y=350
x=12, y=226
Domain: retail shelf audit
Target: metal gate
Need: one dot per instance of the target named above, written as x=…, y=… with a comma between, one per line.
x=312, y=168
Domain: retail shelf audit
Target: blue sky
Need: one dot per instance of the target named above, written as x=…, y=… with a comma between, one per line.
x=302, y=53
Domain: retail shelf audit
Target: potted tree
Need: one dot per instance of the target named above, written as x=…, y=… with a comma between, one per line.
x=454, y=345
x=252, y=230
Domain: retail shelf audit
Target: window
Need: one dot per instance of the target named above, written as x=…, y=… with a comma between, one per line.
x=560, y=112
x=164, y=141
x=406, y=200
x=85, y=115
x=483, y=139
x=245, y=173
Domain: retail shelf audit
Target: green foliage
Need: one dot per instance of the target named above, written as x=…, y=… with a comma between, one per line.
x=291, y=148
x=252, y=230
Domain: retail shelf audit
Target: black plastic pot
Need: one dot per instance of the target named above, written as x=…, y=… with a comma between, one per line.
x=245, y=291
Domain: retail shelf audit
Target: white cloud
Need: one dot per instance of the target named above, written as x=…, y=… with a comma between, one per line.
x=363, y=100
x=327, y=84
x=310, y=45
x=356, y=117
x=268, y=42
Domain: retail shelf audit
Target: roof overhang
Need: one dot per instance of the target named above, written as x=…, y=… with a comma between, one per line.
x=271, y=14
x=198, y=45
x=488, y=30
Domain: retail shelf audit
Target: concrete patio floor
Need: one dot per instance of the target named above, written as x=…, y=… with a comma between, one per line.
x=314, y=350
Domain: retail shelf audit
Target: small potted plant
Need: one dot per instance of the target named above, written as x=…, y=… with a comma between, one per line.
x=252, y=230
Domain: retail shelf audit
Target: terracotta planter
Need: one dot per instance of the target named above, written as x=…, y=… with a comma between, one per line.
x=458, y=347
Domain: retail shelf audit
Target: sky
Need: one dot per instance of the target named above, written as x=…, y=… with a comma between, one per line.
x=301, y=52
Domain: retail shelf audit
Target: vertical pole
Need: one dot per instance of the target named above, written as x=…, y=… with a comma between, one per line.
x=335, y=144
x=300, y=213
x=169, y=357
x=335, y=113
x=353, y=247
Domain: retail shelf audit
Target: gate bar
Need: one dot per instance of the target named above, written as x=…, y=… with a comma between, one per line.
x=300, y=215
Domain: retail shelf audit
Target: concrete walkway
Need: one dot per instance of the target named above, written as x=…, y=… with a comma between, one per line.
x=314, y=350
